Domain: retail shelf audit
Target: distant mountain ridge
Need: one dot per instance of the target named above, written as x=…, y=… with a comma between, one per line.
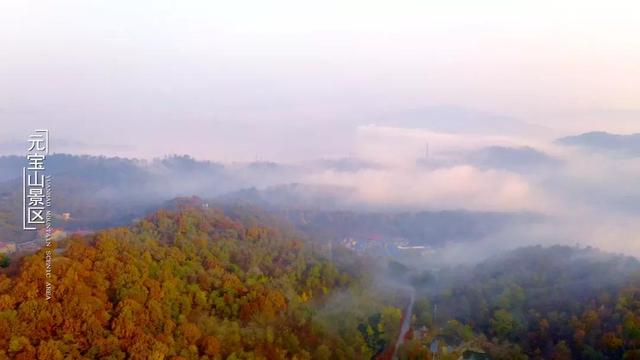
x=291, y=196
x=511, y=158
x=604, y=141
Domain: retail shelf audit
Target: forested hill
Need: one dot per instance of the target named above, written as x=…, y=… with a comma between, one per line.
x=537, y=302
x=186, y=284
x=192, y=282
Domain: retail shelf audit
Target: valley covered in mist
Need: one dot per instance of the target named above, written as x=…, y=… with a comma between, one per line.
x=449, y=245
x=319, y=180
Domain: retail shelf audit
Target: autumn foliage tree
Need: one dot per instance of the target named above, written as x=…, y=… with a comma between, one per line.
x=185, y=284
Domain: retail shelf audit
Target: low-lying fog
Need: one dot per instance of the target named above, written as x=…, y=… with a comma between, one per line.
x=580, y=189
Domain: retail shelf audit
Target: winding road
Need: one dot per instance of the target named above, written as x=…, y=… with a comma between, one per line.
x=406, y=323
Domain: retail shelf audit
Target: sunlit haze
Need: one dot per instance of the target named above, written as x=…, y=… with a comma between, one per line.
x=290, y=80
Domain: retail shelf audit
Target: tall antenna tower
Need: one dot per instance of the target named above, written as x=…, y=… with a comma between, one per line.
x=426, y=151
x=435, y=310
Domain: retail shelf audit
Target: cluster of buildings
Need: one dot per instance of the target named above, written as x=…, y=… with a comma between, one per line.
x=378, y=245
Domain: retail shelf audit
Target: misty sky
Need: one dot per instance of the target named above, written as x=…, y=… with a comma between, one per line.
x=292, y=79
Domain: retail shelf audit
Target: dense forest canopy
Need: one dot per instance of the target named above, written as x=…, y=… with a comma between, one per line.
x=537, y=302
x=185, y=284
x=195, y=283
